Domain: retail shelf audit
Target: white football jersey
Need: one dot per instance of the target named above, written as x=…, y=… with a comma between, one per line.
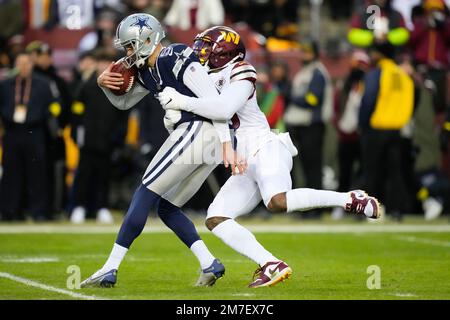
x=253, y=130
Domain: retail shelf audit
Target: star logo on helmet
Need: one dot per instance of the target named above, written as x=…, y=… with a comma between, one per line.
x=141, y=22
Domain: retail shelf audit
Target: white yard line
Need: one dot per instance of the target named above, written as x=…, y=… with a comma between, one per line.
x=42, y=286
x=405, y=295
x=432, y=242
x=268, y=228
x=28, y=259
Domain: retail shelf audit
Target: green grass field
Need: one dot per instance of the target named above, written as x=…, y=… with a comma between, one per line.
x=326, y=264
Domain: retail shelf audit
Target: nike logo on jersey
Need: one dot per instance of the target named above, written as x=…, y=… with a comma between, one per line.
x=168, y=102
x=220, y=83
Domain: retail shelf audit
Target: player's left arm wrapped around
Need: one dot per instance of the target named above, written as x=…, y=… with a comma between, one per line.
x=217, y=107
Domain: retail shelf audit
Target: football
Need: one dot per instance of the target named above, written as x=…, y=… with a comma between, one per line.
x=129, y=76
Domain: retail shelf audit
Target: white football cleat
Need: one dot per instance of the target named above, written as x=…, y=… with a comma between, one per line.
x=78, y=215
x=432, y=208
x=361, y=203
x=270, y=274
x=104, y=216
x=209, y=276
x=103, y=279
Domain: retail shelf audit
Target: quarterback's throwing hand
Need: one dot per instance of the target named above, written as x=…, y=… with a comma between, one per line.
x=171, y=99
x=110, y=80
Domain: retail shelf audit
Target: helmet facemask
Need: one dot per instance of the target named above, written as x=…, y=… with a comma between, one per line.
x=141, y=52
x=202, y=49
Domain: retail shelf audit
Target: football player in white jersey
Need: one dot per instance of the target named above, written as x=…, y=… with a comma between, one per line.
x=269, y=155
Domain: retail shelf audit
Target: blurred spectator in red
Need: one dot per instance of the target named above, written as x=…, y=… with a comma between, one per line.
x=99, y=129
x=345, y=120
x=381, y=23
x=430, y=42
x=310, y=108
x=41, y=54
x=104, y=33
x=195, y=14
x=25, y=103
x=270, y=100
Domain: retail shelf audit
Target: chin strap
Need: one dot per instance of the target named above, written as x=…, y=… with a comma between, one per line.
x=140, y=62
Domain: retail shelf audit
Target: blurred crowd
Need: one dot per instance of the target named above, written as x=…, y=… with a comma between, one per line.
x=373, y=98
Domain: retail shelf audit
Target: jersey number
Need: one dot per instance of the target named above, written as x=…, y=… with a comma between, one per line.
x=166, y=52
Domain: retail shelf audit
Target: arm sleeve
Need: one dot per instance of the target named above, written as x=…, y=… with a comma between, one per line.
x=197, y=80
x=127, y=100
x=223, y=106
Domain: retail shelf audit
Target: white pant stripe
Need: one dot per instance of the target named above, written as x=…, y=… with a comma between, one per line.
x=174, y=152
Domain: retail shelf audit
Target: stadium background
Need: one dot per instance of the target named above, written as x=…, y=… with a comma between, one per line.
x=40, y=256
x=273, y=32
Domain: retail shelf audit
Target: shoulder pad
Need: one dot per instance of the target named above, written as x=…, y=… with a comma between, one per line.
x=243, y=71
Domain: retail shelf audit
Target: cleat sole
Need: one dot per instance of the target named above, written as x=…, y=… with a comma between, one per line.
x=379, y=209
x=283, y=277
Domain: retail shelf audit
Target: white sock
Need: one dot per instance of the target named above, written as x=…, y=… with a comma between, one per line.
x=115, y=257
x=202, y=253
x=242, y=241
x=305, y=199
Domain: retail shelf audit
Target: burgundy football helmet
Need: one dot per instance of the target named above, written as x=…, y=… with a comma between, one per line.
x=219, y=46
